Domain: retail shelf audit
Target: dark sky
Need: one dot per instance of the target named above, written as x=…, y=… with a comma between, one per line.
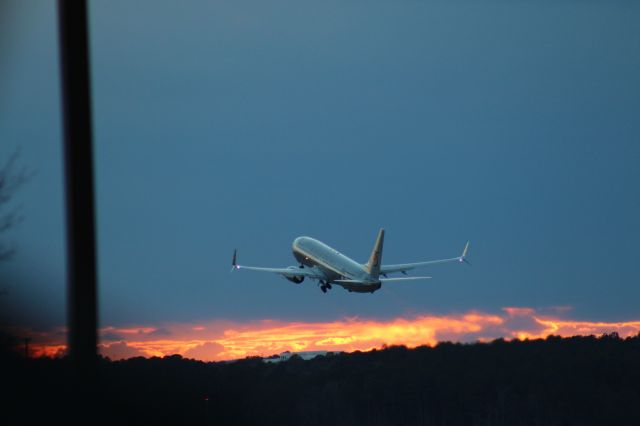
x=243, y=124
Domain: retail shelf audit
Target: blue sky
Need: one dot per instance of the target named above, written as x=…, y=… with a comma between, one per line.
x=222, y=125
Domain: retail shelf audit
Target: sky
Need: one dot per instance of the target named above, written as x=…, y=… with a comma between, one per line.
x=244, y=124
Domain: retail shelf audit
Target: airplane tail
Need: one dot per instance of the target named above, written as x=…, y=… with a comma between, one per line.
x=373, y=265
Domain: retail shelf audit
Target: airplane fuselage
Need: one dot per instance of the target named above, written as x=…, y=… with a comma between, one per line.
x=333, y=264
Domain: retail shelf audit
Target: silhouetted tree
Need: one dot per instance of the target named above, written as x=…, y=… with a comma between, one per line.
x=10, y=180
x=555, y=381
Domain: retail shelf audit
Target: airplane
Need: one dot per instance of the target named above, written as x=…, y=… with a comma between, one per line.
x=320, y=262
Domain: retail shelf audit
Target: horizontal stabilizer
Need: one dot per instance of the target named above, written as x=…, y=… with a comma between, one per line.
x=382, y=280
x=352, y=282
x=386, y=280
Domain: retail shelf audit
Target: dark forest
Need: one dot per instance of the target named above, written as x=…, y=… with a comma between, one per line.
x=553, y=381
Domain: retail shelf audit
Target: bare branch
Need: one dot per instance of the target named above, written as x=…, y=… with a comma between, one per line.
x=10, y=181
x=9, y=220
x=6, y=253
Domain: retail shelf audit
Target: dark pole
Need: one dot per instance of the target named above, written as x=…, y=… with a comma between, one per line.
x=78, y=166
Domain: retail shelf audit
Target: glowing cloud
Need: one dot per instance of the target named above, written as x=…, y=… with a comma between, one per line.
x=223, y=340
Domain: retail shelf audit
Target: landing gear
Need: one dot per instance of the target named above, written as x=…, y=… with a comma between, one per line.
x=324, y=286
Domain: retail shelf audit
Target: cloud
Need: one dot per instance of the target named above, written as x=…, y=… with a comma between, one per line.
x=222, y=339
x=111, y=337
x=119, y=350
x=160, y=332
x=50, y=350
x=128, y=330
x=207, y=351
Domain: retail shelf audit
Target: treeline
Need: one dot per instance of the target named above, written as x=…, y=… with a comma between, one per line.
x=552, y=381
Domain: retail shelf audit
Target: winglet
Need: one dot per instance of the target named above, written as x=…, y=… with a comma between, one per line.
x=463, y=256
x=234, y=263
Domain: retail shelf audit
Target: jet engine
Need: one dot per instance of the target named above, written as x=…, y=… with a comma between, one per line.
x=293, y=277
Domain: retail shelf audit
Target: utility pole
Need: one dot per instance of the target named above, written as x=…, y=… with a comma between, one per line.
x=79, y=192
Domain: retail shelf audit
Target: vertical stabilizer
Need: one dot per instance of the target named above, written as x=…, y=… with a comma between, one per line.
x=373, y=265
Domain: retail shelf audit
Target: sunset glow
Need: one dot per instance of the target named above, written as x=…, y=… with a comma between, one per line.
x=223, y=340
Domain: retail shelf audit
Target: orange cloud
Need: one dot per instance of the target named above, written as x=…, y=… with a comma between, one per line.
x=119, y=350
x=222, y=340
x=50, y=350
x=207, y=351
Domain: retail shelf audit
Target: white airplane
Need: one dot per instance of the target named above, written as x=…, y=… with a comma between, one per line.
x=320, y=262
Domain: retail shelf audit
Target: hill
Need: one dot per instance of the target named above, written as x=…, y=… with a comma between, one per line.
x=555, y=381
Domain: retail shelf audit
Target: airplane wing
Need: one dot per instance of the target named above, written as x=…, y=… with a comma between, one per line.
x=404, y=267
x=294, y=271
x=291, y=271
